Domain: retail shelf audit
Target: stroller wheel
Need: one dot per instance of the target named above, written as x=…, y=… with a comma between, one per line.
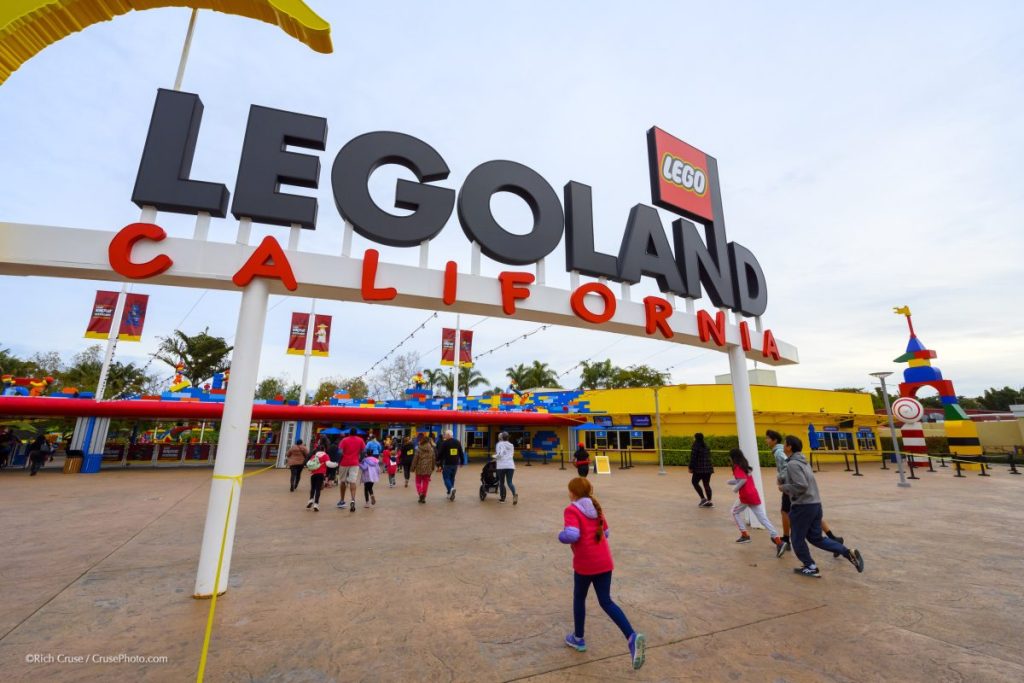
x=483, y=493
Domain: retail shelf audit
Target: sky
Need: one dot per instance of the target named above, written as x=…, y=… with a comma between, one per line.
x=868, y=152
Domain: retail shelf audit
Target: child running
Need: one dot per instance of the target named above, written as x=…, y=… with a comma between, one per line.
x=391, y=465
x=370, y=470
x=317, y=466
x=749, y=498
x=586, y=529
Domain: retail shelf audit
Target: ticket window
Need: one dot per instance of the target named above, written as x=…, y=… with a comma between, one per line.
x=601, y=440
x=521, y=440
x=866, y=441
x=641, y=440
x=481, y=440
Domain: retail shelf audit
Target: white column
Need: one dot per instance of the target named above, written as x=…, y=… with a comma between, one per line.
x=310, y=331
x=201, y=233
x=474, y=258
x=346, y=240
x=541, y=273
x=293, y=237
x=424, y=253
x=234, y=433
x=745, y=415
x=115, y=328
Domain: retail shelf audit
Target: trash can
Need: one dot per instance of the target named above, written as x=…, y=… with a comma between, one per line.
x=73, y=462
x=91, y=463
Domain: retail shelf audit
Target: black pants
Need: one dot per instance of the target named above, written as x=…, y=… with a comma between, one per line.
x=705, y=479
x=37, y=461
x=296, y=475
x=367, y=490
x=405, y=469
x=582, y=470
x=316, y=483
x=805, y=527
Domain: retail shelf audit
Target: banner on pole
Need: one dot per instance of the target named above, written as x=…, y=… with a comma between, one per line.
x=132, y=318
x=447, y=346
x=297, y=334
x=466, y=348
x=321, y=335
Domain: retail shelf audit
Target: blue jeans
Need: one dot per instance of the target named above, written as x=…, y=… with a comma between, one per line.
x=505, y=476
x=448, y=474
x=603, y=588
x=805, y=526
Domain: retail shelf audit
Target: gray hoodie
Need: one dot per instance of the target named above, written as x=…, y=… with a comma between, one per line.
x=799, y=483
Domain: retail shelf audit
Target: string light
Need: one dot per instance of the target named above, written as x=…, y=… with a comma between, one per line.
x=512, y=341
x=398, y=345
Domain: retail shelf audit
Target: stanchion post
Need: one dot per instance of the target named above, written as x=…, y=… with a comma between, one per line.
x=1013, y=466
x=959, y=473
x=981, y=461
x=846, y=459
x=942, y=461
x=910, y=463
x=885, y=465
x=931, y=468
x=561, y=460
x=856, y=466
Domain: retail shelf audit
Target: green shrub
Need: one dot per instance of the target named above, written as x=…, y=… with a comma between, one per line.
x=676, y=450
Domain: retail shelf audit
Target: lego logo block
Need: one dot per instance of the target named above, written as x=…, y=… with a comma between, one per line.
x=680, y=181
x=681, y=173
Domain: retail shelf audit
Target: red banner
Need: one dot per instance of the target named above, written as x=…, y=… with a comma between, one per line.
x=321, y=335
x=132, y=318
x=447, y=346
x=466, y=348
x=297, y=334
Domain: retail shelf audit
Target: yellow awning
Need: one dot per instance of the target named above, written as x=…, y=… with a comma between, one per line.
x=28, y=26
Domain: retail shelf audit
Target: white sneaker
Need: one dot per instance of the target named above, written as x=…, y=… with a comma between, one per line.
x=366, y=505
x=316, y=507
x=309, y=504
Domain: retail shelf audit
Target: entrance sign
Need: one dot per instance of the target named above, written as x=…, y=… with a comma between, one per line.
x=280, y=149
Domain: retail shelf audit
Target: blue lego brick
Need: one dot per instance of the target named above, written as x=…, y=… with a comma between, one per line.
x=922, y=374
x=948, y=400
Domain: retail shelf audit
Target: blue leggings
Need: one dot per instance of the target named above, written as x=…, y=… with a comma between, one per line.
x=603, y=587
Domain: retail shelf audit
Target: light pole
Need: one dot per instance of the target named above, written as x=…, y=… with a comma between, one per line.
x=892, y=429
x=657, y=418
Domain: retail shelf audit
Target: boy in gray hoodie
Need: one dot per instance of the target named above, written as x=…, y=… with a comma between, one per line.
x=805, y=512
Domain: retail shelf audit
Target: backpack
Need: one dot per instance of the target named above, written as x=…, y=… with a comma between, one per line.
x=313, y=464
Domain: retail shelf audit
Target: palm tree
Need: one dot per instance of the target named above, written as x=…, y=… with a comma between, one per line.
x=202, y=354
x=468, y=378
x=435, y=378
x=520, y=374
x=541, y=375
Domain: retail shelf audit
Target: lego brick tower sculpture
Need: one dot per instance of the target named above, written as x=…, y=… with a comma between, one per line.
x=960, y=431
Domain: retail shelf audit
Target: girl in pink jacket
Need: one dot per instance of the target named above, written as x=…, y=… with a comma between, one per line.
x=586, y=530
x=750, y=499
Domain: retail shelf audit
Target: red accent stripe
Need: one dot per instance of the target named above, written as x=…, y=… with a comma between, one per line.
x=42, y=406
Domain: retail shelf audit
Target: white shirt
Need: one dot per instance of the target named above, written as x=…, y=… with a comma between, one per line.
x=503, y=454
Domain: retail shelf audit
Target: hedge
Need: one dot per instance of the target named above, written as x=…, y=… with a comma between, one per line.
x=677, y=450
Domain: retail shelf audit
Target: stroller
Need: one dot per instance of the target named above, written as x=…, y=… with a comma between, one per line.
x=489, y=479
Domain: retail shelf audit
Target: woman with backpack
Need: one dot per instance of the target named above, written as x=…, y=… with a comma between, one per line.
x=296, y=456
x=701, y=470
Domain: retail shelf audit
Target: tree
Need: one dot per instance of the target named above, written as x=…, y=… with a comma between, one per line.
x=12, y=365
x=541, y=375
x=271, y=387
x=468, y=378
x=604, y=375
x=83, y=373
x=435, y=377
x=394, y=377
x=518, y=374
x=532, y=376
x=640, y=376
x=202, y=354
x=355, y=386
x=1001, y=399
x=325, y=390
x=597, y=374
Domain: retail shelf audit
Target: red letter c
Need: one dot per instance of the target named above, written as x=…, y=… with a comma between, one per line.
x=119, y=252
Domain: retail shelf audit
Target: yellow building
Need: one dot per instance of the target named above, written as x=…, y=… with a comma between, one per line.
x=626, y=420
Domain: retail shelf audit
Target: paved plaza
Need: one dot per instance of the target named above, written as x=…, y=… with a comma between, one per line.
x=481, y=591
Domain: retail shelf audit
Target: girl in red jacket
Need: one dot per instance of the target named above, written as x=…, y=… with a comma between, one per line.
x=743, y=483
x=587, y=532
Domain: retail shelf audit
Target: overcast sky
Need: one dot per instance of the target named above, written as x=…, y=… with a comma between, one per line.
x=869, y=157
